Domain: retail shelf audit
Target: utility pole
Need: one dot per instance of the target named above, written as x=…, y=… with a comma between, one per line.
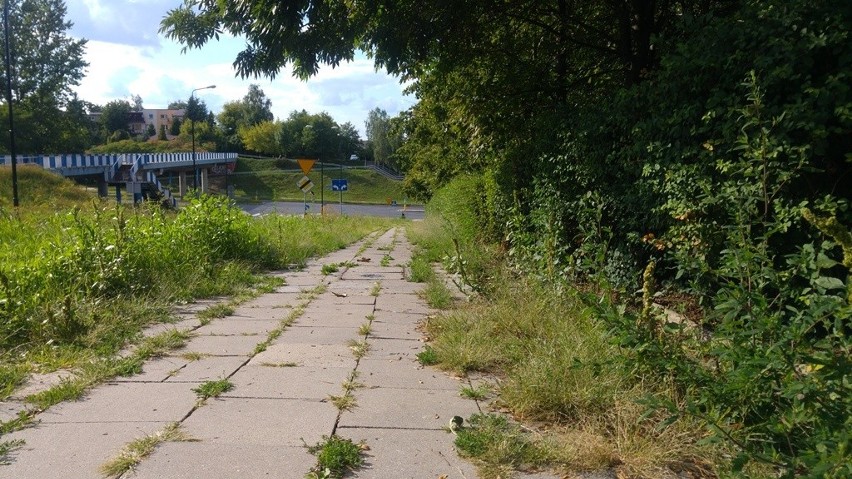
x=15, y=200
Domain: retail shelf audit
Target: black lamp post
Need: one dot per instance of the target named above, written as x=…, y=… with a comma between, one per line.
x=192, y=133
x=15, y=201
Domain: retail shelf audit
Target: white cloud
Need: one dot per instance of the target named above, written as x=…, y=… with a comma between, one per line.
x=126, y=56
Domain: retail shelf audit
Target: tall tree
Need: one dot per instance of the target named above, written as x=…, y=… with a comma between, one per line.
x=252, y=109
x=46, y=64
x=379, y=136
x=115, y=116
x=136, y=101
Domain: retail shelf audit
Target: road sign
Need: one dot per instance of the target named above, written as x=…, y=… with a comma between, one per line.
x=339, y=185
x=305, y=184
x=306, y=165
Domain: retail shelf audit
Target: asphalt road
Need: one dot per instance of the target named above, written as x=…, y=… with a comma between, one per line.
x=297, y=208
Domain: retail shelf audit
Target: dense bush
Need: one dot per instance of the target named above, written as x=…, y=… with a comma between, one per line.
x=710, y=169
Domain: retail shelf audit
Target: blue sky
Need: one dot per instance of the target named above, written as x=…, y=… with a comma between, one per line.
x=127, y=57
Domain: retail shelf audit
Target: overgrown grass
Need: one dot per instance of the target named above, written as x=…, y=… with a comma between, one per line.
x=420, y=270
x=559, y=367
x=80, y=278
x=437, y=295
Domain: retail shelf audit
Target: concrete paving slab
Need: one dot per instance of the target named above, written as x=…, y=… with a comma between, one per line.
x=352, y=287
x=402, y=304
x=156, y=370
x=306, y=354
x=392, y=374
x=183, y=325
x=348, y=321
x=386, y=330
x=394, y=349
x=353, y=275
x=10, y=408
x=245, y=313
x=273, y=300
x=350, y=299
x=406, y=408
x=125, y=402
x=224, y=327
x=221, y=345
x=208, y=369
x=303, y=280
x=296, y=382
x=396, y=454
x=192, y=460
x=71, y=451
x=263, y=422
x=37, y=382
x=318, y=334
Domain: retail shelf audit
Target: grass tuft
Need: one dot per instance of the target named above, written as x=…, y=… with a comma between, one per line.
x=280, y=365
x=346, y=402
x=211, y=389
x=6, y=448
x=134, y=452
x=420, y=270
x=328, y=269
x=359, y=348
x=477, y=393
x=335, y=457
x=216, y=311
x=427, y=357
x=437, y=295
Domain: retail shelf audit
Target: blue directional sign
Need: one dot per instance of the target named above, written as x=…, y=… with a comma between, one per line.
x=339, y=185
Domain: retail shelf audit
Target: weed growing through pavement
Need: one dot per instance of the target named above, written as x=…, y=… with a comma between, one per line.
x=477, y=393
x=328, y=269
x=211, y=389
x=280, y=365
x=437, y=295
x=427, y=357
x=420, y=270
x=335, y=457
x=134, y=452
x=352, y=383
x=365, y=329
x=346, y=402
x=194, y=356
x=7, y=447
x=67, y=389
x=377, y=288
x=386, y=259
x=359, y=348
x=499, y=445
x=219, y=310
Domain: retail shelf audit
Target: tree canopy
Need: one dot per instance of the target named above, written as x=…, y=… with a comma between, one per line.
x=46, y=64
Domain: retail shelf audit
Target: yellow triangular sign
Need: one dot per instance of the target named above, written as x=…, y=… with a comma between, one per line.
x=306, y=164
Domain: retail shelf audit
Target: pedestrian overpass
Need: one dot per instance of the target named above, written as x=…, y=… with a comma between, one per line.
x=139, y=173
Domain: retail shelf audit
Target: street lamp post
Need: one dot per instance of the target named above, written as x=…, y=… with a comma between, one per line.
x=192, y=133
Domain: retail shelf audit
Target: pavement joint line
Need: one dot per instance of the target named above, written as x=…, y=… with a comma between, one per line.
x=281, y=399
x=99, y=422
x=396, y=339
x=385, y=428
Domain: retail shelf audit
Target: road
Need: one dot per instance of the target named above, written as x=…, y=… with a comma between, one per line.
x=296, y=208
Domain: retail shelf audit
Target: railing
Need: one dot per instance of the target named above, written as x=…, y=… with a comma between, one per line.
x=65, y=161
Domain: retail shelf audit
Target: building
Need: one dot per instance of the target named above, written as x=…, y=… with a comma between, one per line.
x=159, y=117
